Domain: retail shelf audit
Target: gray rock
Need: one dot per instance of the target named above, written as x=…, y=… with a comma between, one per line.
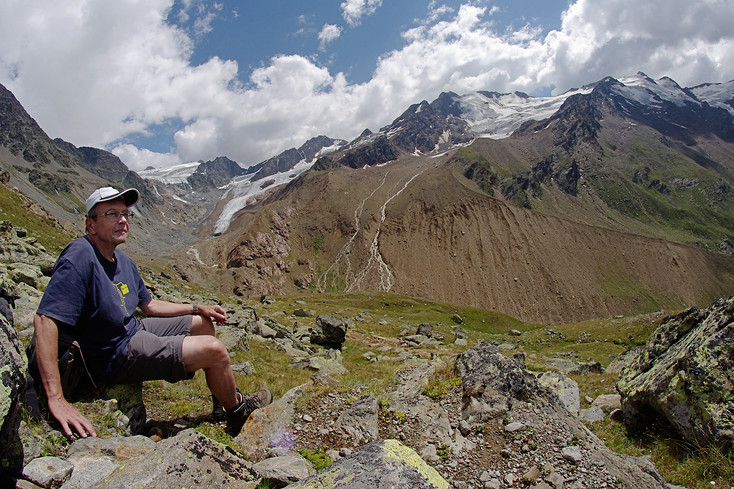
x=572, y=454
x=425, y=329
x=267, y=423
x=430, y=453
x=285, y=469
x=515, y=332
x=96, y=458
x=329, y=363
x=587, y=368
x=244, y=368
x=383, y=463
x=304, y=313
x=593, y=414
x=360, y=422
x=490, y=380
x=514, y=426
x=235, y=339
x=12, y=393
x=685, y=374
x=625, y=359
x=608, y=402
x=48, y=471
x=329, y=331
x=567, y=389
x=188, y=459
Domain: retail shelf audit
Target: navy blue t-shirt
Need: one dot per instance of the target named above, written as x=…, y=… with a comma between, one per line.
x=94, y=300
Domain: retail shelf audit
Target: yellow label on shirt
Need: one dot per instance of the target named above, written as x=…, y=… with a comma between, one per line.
x=124, y=289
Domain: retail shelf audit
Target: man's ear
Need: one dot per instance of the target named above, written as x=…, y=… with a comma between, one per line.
x=90, y=223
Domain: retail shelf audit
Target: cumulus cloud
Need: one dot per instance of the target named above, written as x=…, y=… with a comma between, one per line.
x=354, y=10
x=95, y=72
x=329, y=33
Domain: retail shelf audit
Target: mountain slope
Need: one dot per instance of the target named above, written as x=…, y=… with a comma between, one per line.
x=59, y=176
x=583, y=214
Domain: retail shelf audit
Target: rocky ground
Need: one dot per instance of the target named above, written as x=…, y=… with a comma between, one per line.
x=468, y=410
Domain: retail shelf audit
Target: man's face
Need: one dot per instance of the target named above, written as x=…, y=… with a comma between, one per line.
x=106, y=229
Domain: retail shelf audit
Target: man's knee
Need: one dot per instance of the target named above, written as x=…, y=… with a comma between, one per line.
x=204, y=352
x=201, y=325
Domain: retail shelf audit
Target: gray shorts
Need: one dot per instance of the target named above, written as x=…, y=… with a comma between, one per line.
x=155, y=352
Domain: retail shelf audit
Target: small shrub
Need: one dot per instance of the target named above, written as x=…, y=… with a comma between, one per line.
x=318, y=458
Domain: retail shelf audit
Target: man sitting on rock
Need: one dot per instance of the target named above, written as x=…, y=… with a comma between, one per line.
x=93, y=293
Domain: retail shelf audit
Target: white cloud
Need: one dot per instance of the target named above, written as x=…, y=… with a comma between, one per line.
x=139, y=159
x=354, y=10
x=96, y=72
x=329, y=33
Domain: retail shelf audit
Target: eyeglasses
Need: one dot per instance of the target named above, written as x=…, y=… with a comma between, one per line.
x=114, y=216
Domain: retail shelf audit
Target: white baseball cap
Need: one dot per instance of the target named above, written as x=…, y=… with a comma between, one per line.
x=104, y=194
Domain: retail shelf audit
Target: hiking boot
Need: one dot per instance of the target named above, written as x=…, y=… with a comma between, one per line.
x=218, y=413
x=237, y=416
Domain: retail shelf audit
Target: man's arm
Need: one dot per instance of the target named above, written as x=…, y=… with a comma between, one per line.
x=168, y=309
x=47, y=354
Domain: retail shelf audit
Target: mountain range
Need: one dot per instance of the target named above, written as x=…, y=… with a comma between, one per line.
x=614, y=198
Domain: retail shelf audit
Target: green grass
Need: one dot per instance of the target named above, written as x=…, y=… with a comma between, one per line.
x=386, y=316
x=679, y=463
x=15, y=209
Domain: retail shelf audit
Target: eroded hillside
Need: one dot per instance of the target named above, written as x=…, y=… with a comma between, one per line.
x=417, y=227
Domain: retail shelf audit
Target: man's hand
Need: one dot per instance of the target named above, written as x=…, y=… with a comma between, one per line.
x=159, y=308
x=46, y=337
x=214, y=311
x=69, y=417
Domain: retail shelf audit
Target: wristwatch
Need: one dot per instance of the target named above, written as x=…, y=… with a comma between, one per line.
x=196, y=308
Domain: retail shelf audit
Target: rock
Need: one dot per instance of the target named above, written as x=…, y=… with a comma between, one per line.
x=285, y=469
x=430, y=453
x=514, y=426
x=329, y=332
x=382, y=463
x=95, y=458
x=188, y=459
x=329, y=363
x=48, y=471
x=281, y=442
x=265, y=330
x=685, y=373
x=587, y=368
x=425, y=329
x=572, y=454
x=457, y=319
x=567, y=389
x=244, y=368
x=608, y=402
x=235, y=339
x=12, y=393
x=264, y=423
x=519, y=358
x=623, y=360
x=593, y=414
x=532, y=475
x=304, y=313
x=490, y=380
x=515, y=332
x=359, y=422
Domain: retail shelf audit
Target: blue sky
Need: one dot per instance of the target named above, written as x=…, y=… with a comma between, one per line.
x=160, y=82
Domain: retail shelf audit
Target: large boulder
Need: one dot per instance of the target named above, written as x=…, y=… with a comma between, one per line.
x=685, y=373
x=189, y=459
x=12, y=393
x=382, y=463
x=491, y=381
x=329, y=331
